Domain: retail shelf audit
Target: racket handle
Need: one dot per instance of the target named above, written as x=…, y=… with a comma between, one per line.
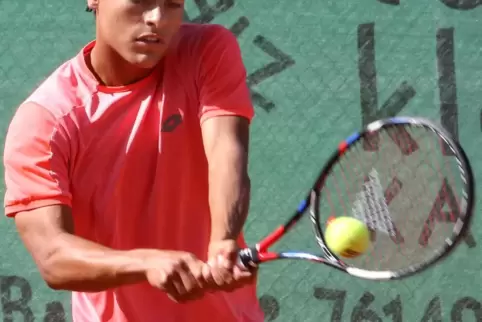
x=248, y=258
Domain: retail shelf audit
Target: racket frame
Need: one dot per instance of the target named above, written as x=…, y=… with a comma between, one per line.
x=253, y=256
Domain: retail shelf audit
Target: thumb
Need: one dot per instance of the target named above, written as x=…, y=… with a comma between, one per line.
x=225, y=260
x=228, y=255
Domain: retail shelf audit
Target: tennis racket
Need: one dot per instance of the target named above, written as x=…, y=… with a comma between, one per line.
x=407, y=180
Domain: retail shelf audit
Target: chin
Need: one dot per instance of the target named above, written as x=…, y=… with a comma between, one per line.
x=145, y=61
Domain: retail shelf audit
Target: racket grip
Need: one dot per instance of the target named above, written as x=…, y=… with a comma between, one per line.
x=248, y=258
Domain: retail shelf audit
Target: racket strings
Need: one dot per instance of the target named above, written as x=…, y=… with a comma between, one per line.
x=445, y=194
x=366, y=200
x=423, y=184
x=431, y=162
x=385, y=224
x=415, y=202
x=397, y=182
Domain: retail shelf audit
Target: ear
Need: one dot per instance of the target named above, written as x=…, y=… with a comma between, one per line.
x=92, y=4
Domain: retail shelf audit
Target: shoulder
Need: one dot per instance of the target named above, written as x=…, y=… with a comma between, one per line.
x=201, y=49
x=199, y=40
x=201, y=33
x=31, y=122
x=62, y=91
x=41, y=115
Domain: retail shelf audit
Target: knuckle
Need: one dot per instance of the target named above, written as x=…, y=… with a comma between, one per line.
x=197, y=273
x=167, y=276
x=188, y=257
x=190, y=289
x=170, y=270
x=176, y=266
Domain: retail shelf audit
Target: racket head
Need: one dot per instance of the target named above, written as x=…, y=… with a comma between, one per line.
x=414, y=202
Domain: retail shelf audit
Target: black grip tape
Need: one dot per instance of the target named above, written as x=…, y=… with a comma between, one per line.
x=248, y=258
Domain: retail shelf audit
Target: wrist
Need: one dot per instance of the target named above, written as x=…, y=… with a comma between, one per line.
x=136, y=264
x=230, y=228
x=215, y=244
x=224, y=235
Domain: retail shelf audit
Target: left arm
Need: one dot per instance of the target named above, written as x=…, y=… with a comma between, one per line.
x=225, y=115
x=226, y=141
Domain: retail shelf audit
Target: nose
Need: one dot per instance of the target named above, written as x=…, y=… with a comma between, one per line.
x=154, y=16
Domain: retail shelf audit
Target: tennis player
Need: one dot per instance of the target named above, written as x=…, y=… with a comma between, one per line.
x=126, y=170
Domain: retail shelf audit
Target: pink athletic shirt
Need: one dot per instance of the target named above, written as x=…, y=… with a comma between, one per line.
x=130, y=162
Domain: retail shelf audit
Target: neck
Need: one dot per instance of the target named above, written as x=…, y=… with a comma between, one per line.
x=111, y=69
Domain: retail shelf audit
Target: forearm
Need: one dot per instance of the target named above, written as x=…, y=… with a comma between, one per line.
x=77, y=264
x=229, y=196
x=226, y=142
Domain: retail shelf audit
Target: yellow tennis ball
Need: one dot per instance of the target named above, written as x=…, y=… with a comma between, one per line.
x=347, y=236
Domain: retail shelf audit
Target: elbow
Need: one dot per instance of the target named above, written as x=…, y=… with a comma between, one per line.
x=51, y=270
x=53, y=282
x=55, y=285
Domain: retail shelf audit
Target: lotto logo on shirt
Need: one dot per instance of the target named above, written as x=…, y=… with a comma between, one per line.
x=171, y=123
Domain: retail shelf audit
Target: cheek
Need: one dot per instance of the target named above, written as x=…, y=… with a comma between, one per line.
x=115, y=33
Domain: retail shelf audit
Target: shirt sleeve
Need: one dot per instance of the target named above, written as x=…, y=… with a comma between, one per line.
x=35, y=161
x=222, y=76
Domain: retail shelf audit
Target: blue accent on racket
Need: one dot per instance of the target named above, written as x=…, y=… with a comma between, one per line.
x=352, y=138
x=302, y=206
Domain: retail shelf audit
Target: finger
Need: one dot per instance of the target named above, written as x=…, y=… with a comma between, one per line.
x=199, y=284
x=225, y=260
x=214, y=272
x=241, y=273
x=224, y=279
x=196, y=271
x=165, y=284
x=172, y=292
x=225, y=274
x=176, y=286
x=192, y=280
x=208, y=277
x=243, y=278
x=217, y=276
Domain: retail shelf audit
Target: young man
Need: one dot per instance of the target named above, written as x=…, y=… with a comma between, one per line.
x=126, y=170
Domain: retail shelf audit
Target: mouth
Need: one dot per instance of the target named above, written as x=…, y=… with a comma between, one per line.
x=151, y=39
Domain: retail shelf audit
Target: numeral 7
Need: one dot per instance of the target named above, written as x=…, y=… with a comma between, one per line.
x=338, y=298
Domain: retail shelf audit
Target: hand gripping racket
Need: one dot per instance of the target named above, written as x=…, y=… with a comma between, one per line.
x=407, y=180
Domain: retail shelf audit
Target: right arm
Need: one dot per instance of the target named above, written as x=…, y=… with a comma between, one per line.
x=38, y=197
x=68, y=262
